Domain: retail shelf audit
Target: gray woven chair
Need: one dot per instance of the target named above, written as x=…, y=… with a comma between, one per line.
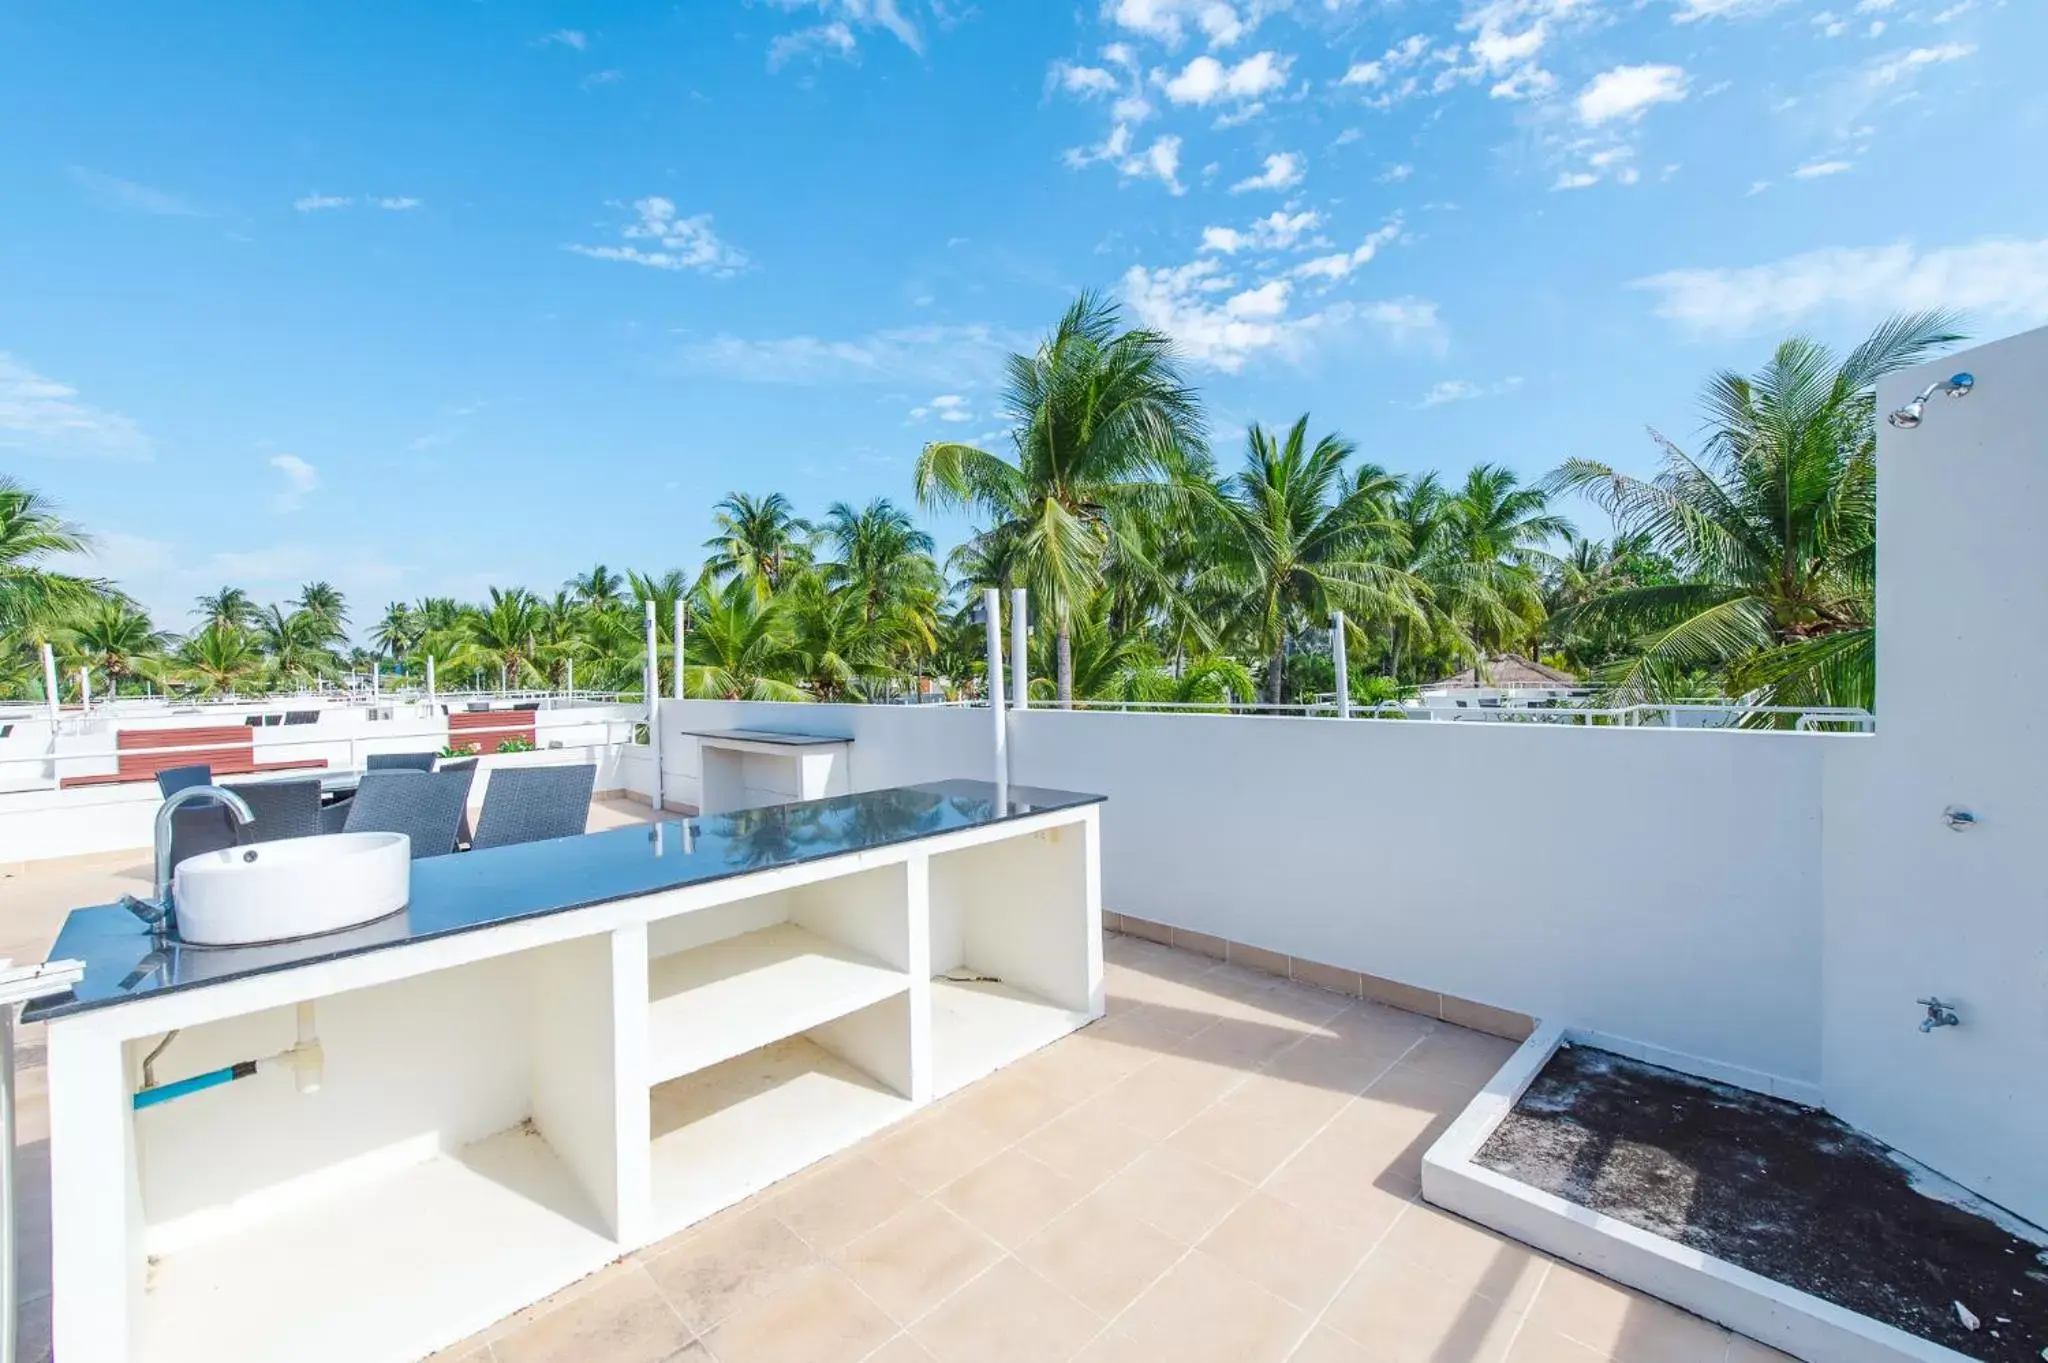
x=171, y=780
x=527, y=804
x=425, y=806
x=282, y=809
x=399, y=761
x=467, y=764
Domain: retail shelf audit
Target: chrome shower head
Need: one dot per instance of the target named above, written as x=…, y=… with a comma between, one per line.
x=1914, y=412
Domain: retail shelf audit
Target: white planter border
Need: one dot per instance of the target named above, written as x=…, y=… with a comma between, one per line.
x=1799, y=1323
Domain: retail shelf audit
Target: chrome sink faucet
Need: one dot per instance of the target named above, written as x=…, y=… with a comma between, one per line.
x=238, y=809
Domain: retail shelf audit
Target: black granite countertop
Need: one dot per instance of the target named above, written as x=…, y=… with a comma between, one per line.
x=780, y=740
x=471, y=891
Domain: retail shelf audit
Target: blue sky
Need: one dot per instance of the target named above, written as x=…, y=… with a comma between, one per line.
x=423, y=297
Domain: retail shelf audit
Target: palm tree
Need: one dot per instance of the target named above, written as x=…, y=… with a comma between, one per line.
x=739, y=646
x=759, y=540
x=836, y=643
x=219, y=657
x=228, y=606
x=1101, y=422
x=503, y=634
x=598, y=588
x=397, y=631
x=1485, y=559
x=1296, y=541
x=1773, y=526
x=34, y=597
x=115, y=638
x=299, y=644
x=324, y=600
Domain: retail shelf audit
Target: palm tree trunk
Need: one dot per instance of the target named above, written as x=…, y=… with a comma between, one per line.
x=1064, y=663
x=1276, y=672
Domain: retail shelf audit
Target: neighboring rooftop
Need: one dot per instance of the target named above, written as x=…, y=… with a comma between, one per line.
x=1508, y=671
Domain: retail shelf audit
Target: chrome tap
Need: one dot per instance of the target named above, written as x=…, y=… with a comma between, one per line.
x=1939, y=1014
x=238, y=809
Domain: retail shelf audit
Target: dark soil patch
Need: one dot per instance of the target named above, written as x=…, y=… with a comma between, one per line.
x=1781, y=1190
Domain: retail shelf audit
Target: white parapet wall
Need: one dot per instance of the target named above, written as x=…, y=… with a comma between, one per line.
x=1659, y=886
x=891, y=745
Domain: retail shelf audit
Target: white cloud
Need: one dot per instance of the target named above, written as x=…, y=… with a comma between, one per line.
x=1756, y=187
x=39, y=415
x=1277, y=231
x=609, y=76
x=940, y=355
x=1160, y=161
x=1901, y=66
x=835, y=34
x=1205, y=80
x=1999, y=278
x=1083, y=81
x=1463, y=390
x=1170, y=20
x=1690, y=11
x=1815, y=170
x=301, y=480
x=1875, y=6
x=820, y=40
x=131, y=197
x=1830, y=24
x=946, y=407
x=1283, y=171
x=320, y=203
x=1628, y=92
x=1955, y=12
x=1332, y=268
x=567, y=37
x=677, y=243
x=398, y=204
x=1395, y=174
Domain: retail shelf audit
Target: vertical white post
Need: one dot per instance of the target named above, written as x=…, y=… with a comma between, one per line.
x=85, y=689
x=992, y=605
x=504, y=682
x=430, y=680
x=569, y=668
x=50, y=685
x=680, y=625
x=1343, y=667
x=376, y=677
x=652, y=690
x=1020, y=638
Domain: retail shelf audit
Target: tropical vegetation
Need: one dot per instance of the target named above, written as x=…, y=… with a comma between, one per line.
x=1744, y=567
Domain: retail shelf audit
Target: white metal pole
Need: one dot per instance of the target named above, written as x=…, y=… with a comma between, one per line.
x=1343, y=668
x=430, y=679
x=50, y=684
x=569, y=667
x=85, y=689
x=992, y=603
x=680, y=625
x=376, y=677
x=652, y=690
x=1020, y=638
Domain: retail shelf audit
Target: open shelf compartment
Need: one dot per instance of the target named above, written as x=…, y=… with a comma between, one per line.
x=1013, y=964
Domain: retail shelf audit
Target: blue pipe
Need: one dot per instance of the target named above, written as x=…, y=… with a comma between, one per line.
x=179, y=1088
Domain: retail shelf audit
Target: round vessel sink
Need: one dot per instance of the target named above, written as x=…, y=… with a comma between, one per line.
x=295, y=887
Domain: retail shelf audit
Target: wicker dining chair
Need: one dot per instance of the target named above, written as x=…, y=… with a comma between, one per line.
x=467, y=764
x=399, y=761
x=527, y=804
x=425, y=806
x=281, y=809
x=171, y=780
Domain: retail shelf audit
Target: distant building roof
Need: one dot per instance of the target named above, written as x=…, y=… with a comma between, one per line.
x=1508, y=671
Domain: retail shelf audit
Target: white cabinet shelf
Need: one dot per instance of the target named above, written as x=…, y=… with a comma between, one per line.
x=979, y=1028
x=728, y=1132
x=714, y=1002
x=427, y=1255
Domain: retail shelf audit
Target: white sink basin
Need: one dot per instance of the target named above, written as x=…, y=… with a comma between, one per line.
x=294, y=887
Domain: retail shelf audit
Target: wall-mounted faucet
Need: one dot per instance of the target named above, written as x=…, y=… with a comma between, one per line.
x=1958, y=819
x=238, y=810
x=1939, y=1014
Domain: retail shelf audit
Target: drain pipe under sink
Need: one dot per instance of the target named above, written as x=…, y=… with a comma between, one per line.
x=304, y=1058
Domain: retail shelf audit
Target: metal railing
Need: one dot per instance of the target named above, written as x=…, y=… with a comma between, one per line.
x=1658, y=715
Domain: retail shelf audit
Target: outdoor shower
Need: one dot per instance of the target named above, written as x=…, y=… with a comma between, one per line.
x=1911, y=415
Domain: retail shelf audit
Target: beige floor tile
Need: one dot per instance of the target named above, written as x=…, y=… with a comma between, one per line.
x=1164, y=1096
x=845, y=1199
x=914, y=1260
x=1537, y=1345
x=1100, y=1254
x=1241, y=1042
x=1085, y=1065
x=1088, y=1145
x=1296, y=1257
x=820, y=1318
x=1176, y=1193
x=1386, y=1136
x=1202, y=1312
x=1113, y=1346
x=1007, y=1315
x=1325, y=1345
x=902, y=1349
x=729, y=1262
x=549, y=1305
x=625, y=1320
x=1337, y=1064
x=1621, y=1324
x=1011, y=1104
x=1404, y=1312
x=933, y=1150
x=1156, y=1027
x=1367, y=1020
x=1011, y=1198
x=1466, y=1258
x=1742, y=1349
x=1461, y=1056
x=1253, y=1130
x=1338, y=1177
